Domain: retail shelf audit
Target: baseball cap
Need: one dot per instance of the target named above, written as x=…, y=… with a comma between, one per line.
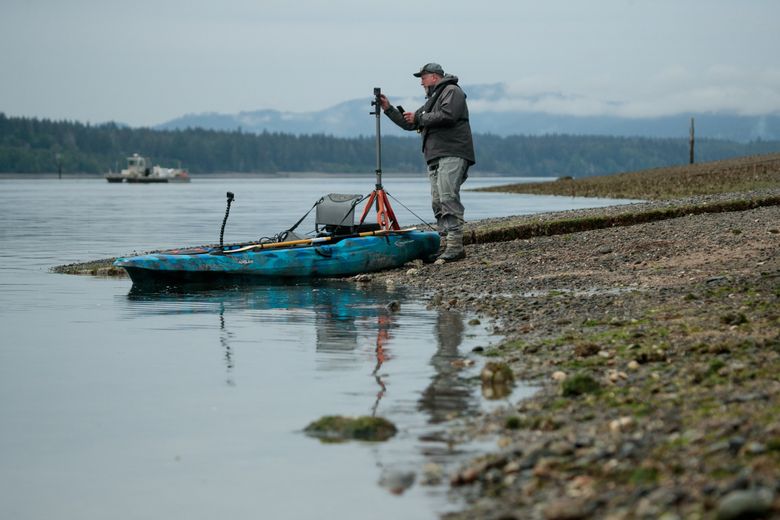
x=430, y=68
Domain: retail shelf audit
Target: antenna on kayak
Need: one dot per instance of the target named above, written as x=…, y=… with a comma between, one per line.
x=385, y=216
x=230, y=198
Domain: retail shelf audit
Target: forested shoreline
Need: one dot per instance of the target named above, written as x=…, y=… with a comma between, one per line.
x=31, y=145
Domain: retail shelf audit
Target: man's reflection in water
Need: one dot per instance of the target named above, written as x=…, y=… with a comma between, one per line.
x=448, y=395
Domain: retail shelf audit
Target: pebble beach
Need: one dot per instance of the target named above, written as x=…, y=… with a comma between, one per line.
x=655, y=348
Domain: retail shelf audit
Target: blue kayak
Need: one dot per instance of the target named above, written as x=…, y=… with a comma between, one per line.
x=317, y=257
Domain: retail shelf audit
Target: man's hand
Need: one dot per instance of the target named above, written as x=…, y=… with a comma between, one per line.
x=409, y=117
x=384, y=101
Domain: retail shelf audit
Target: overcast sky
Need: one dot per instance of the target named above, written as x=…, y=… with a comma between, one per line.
x=143, y=62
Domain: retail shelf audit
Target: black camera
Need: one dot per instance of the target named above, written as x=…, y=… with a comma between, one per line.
x=376, y=102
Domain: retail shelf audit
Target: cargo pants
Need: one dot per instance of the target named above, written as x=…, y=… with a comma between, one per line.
x=446, y=176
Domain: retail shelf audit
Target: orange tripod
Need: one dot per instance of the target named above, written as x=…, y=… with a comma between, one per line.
x=385, y=216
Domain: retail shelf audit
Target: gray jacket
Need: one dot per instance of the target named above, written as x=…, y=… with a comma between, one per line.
x=443, y=122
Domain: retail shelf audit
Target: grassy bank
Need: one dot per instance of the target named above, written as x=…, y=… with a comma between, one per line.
x=732, y=175
x=500, y=230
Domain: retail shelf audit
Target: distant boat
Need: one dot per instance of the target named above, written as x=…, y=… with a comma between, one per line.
x=140, y=170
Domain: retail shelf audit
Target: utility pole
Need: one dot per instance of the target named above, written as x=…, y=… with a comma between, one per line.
x=58, y=157
x=691, y=141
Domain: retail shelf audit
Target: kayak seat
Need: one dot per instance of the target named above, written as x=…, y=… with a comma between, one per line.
x=336, y=215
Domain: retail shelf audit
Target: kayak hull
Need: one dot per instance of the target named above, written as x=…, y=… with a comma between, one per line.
x=344, y=257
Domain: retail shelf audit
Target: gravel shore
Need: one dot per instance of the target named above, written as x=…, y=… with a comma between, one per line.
x=656, y=349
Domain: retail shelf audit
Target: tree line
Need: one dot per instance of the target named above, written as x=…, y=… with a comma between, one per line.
x=31, y=145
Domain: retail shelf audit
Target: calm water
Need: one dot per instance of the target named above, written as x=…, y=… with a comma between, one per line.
x=128, y=406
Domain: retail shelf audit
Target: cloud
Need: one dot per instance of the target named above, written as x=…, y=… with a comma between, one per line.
x=674, y=90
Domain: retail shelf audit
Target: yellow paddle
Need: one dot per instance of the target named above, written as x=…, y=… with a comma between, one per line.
x=311, y=241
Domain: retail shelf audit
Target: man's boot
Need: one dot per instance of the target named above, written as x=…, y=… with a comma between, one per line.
x=454, y=248
x=442, y=248
x=442, y=244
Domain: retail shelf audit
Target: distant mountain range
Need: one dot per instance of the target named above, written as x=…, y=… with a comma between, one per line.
x=352, y=119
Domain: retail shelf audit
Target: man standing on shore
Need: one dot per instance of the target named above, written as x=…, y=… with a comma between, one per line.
x=443, y=122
